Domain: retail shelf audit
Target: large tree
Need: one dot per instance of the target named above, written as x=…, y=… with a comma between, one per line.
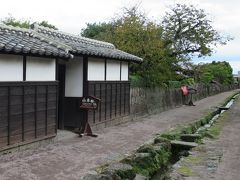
x=165, y=47
x=189, y=31
x=133, y=32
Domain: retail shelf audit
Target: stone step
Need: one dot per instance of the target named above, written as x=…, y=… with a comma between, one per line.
x=183, y=144
x=190, y=137
x=223, y=108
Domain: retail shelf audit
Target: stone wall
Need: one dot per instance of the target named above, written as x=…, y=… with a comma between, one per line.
x=145, y=101
x=149, y=101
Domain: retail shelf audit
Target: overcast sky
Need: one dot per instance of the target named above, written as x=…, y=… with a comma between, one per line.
x=72, y=16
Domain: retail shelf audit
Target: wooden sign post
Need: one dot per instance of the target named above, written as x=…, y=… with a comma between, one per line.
x=88, y=103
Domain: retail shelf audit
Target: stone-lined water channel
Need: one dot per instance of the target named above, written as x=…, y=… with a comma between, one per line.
x=180, y=149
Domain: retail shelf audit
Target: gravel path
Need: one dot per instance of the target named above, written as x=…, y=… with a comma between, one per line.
x=73, y=157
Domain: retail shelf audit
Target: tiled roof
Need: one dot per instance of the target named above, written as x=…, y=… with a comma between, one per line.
x=85, y=46
x=26, y=41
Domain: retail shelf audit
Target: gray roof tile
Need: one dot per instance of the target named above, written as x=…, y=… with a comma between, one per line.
x=47, y=42
x=20, y=40
x=85, y=46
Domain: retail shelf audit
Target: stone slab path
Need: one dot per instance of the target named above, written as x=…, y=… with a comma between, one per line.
x=229, y=142
x=73, y=157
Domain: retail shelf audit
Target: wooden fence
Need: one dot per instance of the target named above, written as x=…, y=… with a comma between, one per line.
x=28, y=111
x=115, y=99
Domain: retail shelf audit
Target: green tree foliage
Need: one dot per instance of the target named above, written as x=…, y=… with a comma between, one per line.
x=134, y=33
x=220, y=72
x=47, y=24
x=189, y=31
x=165, y=47
x=23, y=23
x=98, y=31
x=16, y=22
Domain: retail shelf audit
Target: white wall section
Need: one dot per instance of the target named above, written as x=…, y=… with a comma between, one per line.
x=11, y=68
x=40, y=69
x=113, y=70
x=74, y=78
x=96, y=69
x=124, y=76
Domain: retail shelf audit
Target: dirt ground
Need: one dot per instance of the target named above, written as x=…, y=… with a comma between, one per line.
x=217, y=158
x=73, y=157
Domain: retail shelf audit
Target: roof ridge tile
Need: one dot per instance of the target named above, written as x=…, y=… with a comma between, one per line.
x=73, y=37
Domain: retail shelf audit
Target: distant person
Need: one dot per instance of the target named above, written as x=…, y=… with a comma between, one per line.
x=186, y=90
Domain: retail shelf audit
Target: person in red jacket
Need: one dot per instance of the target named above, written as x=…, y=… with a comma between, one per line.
x=186, y=90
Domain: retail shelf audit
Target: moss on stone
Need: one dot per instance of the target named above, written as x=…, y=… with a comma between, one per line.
x=128, y=175
x=147, y=148
x=101, y=168
x=193, y=159
x=148, y=166
x=124, y=171
x=187, y=129
x=185, y=171
x=215, y=130
x=149, y=158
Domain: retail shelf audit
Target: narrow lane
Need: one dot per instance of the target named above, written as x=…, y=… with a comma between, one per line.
x=74, y=157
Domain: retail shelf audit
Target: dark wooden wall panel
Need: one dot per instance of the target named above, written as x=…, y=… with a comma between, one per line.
x=72, y=113
x=27, y=111
x=115, y=100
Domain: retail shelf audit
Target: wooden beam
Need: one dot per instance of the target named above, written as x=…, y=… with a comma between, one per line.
x=9, y=129
x=105, y=69
x=46, y=112
x=35, y=110
x=94, y=112
x=56, y=69
x=57, y=106
x=111, y=102
x=120, y=100
x=23, y=112
x=128, y=71
x=85, y=85
x=116, y=99
x=106, y=95
x=85, y=76
x=100, y=104
x=24, y=68
x=120, y=70
x=124, y=99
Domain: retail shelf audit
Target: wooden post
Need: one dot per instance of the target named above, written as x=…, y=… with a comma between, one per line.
x=23, y=111
x=46, y=111
x=35, y=110
x=9, y=128
x=85, y=86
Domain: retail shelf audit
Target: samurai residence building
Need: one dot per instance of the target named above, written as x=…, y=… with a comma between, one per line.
x=46, y=75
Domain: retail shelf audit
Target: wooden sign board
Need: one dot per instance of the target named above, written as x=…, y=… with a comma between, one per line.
x=89, y=103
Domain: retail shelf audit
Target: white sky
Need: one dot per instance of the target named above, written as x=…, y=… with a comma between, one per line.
x=72, y=16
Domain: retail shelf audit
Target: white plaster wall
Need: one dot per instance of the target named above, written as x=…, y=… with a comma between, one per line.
x=11, y=68
x=74, y=78
x=40, y=69
x=96, y=69
x=113, y=70
x=124, y=76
